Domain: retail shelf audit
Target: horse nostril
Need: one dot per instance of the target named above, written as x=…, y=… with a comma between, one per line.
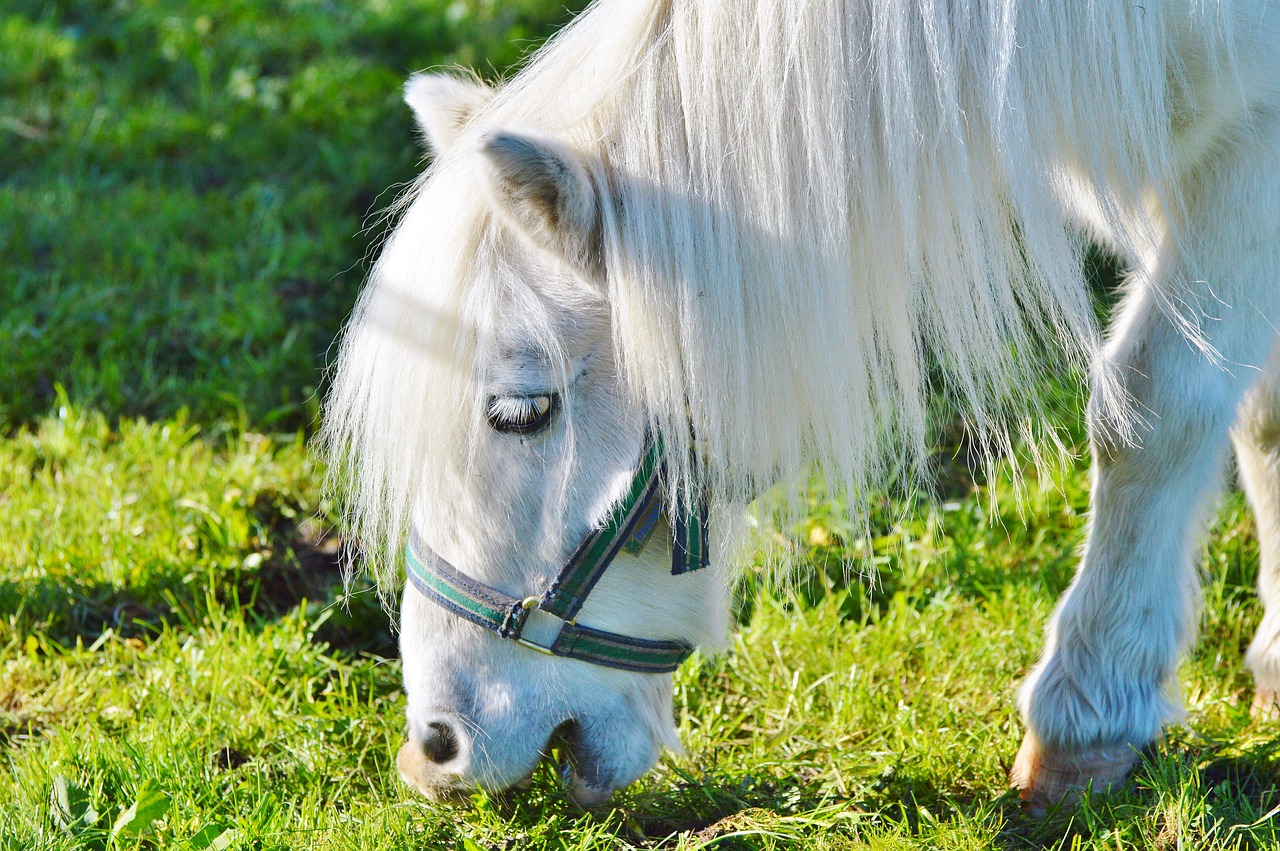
x=440, y=742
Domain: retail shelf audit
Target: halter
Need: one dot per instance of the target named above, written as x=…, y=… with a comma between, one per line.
x=546, y=623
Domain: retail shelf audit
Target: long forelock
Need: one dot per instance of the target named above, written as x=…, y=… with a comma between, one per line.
x=405, y=415
x=402, y=393
x=820, y=217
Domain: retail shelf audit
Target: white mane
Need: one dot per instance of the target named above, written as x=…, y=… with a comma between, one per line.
x=816, y=214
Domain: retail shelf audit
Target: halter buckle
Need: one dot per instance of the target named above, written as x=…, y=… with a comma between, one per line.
x=546, y=627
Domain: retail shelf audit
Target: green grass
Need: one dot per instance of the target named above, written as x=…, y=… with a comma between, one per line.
x=182, y=230
x=186, y=186
x=857, y=717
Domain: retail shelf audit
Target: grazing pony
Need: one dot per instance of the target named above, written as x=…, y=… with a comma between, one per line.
x=698, y=248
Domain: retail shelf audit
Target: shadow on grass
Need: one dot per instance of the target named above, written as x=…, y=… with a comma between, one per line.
x=1182, y=795
x=1215, y=796
x=750, y=812
x=713, y=808
x=309, y=570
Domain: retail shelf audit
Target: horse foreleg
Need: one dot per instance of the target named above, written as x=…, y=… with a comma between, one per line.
x=1103, y=688
x=1105, y=685
x=1257, y=441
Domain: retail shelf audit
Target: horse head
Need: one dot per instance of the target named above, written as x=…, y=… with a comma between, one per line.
x=484, y=387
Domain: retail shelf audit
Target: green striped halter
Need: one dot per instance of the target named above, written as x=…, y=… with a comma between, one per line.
x=546, y=623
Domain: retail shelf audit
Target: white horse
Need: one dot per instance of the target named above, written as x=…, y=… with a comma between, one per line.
x=744, y=239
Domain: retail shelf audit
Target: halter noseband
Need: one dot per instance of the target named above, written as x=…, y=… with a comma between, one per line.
x=546, y=623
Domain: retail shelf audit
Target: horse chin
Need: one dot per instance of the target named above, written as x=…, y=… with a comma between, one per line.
x=584, y=794
x=603, y=754
x=576, y=757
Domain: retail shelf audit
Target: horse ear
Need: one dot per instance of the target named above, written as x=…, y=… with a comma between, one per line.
x=543, y=187
x=442, y=105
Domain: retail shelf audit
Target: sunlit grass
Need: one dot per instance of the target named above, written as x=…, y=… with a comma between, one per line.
x=183, y=211
x=854, y=716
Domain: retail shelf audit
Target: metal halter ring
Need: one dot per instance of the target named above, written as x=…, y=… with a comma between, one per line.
x=530, y=605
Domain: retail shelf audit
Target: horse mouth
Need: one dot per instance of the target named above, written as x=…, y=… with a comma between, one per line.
x=437, y=787
x=584, y=794
x=449, y=795
x=577, y=766
x=563, y=749
x=581, y=770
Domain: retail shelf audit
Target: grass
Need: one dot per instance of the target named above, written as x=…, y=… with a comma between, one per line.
x=182, y=230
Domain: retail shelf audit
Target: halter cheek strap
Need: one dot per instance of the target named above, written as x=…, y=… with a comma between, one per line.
x=546, y=622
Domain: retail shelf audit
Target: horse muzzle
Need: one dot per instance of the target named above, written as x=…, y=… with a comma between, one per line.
x=436, y=758
x=445, y=762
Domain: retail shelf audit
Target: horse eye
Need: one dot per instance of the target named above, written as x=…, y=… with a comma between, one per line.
x=522, y=414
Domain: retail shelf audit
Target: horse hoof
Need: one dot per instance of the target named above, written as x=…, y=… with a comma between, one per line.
x=1266, y=704
x=1048, y=776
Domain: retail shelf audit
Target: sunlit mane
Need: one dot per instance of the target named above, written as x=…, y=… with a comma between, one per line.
x=816, y=214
